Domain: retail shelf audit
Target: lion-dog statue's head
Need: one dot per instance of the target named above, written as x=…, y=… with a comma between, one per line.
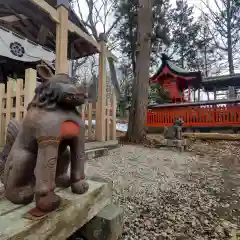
x=56, y=91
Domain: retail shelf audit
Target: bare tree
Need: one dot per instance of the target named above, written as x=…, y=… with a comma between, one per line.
x=84, y=69
x=138, y=111
x=97, y=17
x=226, y=26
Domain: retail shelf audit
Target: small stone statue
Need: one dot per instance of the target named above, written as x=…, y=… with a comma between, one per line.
x=35, y=158
x=174, y=132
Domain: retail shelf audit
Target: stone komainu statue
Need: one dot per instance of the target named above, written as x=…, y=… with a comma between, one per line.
x=12, y=131
x=35, y=158
x=174, y=132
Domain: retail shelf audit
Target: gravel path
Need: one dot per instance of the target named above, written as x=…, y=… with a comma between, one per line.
x=170, y=195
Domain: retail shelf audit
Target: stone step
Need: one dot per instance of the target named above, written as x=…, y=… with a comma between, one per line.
x=180, y=144
x=107, y=225
x=111, y=144
x=97, y=152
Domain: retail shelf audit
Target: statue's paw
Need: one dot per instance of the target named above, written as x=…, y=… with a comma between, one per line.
x=63, y=181
x=27, y=195
x=48, y=203
x=80, y=187
x=23, y=195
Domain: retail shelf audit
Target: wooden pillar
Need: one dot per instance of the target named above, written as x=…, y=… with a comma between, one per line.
x=199, y=94
x=19, y=87
x=10, y=84
x=189, y=94
x=30, y=86
x=83, y=112
x=89, y=121
x=114, y=112
x=2, y=92
x=208, y=97
x=101, y=100
x=231, y=92
x=215, y=93
x=108, y=119
x=62, y=37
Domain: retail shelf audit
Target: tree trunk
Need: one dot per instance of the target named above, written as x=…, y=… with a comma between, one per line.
x=138, y=111
x=133, y=48
x=229, y=37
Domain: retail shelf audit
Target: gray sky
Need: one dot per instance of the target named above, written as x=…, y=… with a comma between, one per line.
x=197, y=3
x=198, y=6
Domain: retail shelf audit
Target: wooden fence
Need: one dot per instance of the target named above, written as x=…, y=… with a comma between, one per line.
x=15, y=97
x=88, y=113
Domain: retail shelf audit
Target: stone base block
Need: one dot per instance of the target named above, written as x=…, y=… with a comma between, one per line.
x=180, y=144
x=107, y=225
x=75, y=211
x=95, y=153
x=235, y=235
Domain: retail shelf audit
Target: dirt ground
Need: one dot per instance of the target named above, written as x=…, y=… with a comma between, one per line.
x=166, y=194
x=171, y=195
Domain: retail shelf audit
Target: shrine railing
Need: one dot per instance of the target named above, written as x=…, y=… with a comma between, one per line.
x=206, y=114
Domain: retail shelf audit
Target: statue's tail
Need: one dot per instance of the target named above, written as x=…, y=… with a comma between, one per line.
x=12, y=132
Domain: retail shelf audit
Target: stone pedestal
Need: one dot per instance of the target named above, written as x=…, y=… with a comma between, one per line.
x=74, y=212
x=107, y=225
x=95, y=153
x=235, y=235
x=180, y=144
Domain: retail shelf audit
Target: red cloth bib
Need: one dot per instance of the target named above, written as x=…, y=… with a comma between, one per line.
x=69, y=129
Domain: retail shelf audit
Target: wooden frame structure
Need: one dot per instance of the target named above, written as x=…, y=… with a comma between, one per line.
x=64, y=27
x=19, y=92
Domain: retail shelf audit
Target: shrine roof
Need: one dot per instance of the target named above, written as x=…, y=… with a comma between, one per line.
x=28, y=20
x=221, y=82
x=194, y=77
x=175, y=68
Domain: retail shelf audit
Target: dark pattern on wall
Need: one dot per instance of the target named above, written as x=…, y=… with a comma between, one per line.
x=17, y=49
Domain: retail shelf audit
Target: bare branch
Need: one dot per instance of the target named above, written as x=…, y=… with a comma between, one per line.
x=78, y=63
x=98, y=13
x=215, y=18
x=215, y=41
x=113, y=25
x=219, y=9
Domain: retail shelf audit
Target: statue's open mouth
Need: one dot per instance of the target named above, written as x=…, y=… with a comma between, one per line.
x=73, y=99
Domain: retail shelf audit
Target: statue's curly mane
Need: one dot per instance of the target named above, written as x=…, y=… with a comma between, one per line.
x=47, y=97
